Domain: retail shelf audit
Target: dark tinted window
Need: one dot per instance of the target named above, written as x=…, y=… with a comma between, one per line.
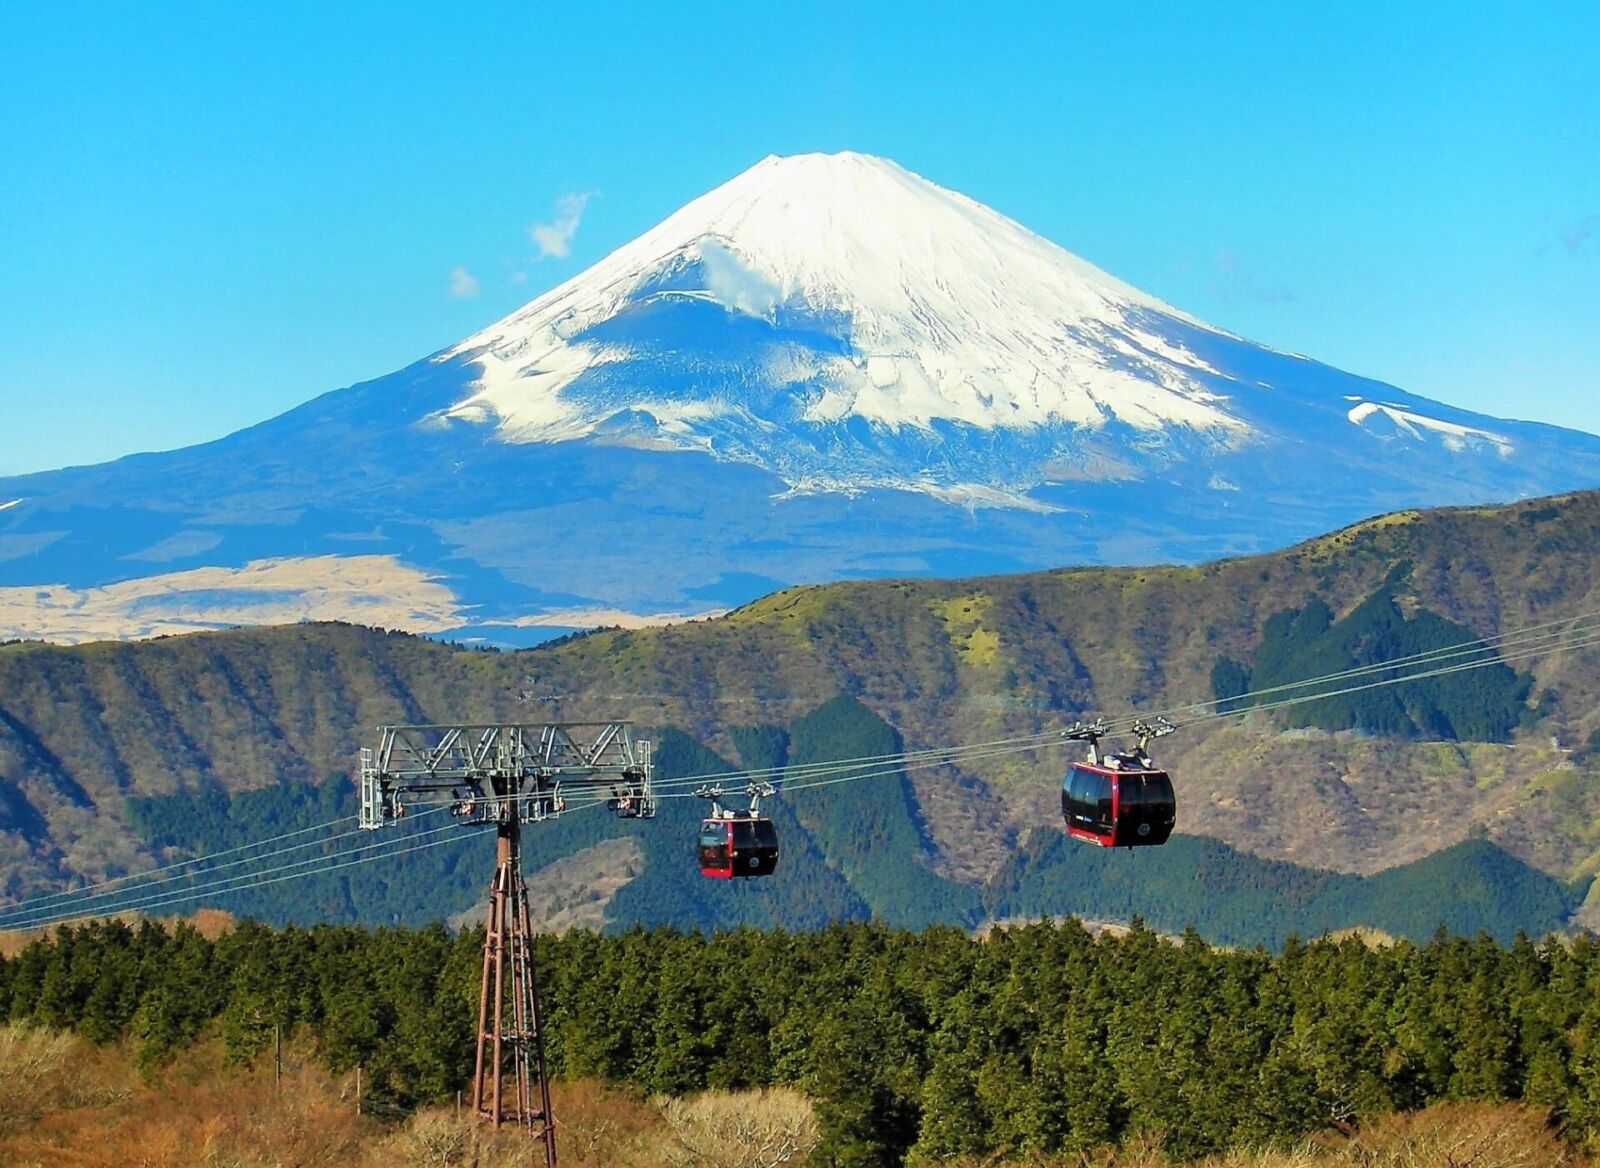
x=754, y=833
x=1131, y=792
x=1102, y=801
x=1151, y=792
x=1080, y=802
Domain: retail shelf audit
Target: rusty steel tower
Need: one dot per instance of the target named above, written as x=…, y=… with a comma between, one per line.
x=508, y=775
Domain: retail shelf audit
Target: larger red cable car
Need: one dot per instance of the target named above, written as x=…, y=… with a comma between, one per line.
x=734, y=845
x=737, y=844
x=1118, y=800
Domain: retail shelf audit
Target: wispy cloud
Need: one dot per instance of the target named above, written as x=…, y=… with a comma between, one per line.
x=555, y=238
x=463, y=284
x=1240, y=280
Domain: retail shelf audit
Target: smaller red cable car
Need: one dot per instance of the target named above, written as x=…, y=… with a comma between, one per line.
x=734, y=845
x=1118, y=800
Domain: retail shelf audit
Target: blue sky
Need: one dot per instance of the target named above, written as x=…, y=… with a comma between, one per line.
x=211, y=213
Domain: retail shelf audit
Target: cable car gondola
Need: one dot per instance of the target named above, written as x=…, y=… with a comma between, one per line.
x=1118, y=800
x=737, y=844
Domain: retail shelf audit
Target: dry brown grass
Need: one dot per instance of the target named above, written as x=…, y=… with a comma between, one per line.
x=196, y=1114
x=748, y=1129
x=210, y=923
x=65, y=1104
x=1448, y=1135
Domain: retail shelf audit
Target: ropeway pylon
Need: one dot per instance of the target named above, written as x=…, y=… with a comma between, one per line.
x=511, y=1048
x=508, y=774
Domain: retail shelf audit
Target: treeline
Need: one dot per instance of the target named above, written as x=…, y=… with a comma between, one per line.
x=1036, y=1039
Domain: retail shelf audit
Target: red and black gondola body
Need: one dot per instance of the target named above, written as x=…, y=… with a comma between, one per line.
x=738, y=846
x=1118, y=807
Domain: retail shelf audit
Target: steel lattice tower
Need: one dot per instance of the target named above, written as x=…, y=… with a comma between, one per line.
x=507, y=775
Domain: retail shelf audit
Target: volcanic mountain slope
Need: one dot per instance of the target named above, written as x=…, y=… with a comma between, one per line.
x=109, y=751
x=827, y=368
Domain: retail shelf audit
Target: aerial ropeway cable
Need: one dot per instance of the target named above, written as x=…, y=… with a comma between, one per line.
x=110, y=897
x=45, y=898
x=1482, y=652
x=315, y=866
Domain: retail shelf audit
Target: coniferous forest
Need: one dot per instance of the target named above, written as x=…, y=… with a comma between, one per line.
x=1037, y=1039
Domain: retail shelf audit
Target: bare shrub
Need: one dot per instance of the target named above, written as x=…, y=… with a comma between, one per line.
x=604, y=1125
x=32, y=1063
x=1457, y=1135
x=435, y=1139
x=751, y=1129
x=1450, y=1135
x=1447, y=1135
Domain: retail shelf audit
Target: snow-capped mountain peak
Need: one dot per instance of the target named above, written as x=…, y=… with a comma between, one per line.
x=847, y=288
x=825, y=369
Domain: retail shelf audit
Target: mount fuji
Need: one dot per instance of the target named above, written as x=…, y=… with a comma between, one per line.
x=826, y=368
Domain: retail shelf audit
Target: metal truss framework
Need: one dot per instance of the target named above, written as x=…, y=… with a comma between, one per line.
x=507, y=775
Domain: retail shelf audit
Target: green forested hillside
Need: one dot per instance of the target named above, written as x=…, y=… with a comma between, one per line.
x=93, y=738
x=852, y=852
x=1478, y=705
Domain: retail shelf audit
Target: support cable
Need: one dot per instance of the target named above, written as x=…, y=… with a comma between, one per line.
x=70, y=892
x=249, y=881
x=1536, y=640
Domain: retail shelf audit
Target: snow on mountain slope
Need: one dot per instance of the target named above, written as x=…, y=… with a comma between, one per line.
x=828, y=368
x=870, y=294
x=1379, y=418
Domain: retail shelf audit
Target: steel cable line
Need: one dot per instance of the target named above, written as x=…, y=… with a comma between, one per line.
x=43, y=897
x=14, y=912
x=1591, y=639
x=830, y=766
x=204, y=893
x=24, y=914
x=846, y=770
x=1537, y=634
x=1536, y=640
x=1529, y=642
x=234, y=883
x=1536, y=637
x=1583, y=639
x=893, y=769
x=241, y=881
x=244, y=883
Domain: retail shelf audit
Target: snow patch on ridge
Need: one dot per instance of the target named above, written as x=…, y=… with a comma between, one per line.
x=1452, y=435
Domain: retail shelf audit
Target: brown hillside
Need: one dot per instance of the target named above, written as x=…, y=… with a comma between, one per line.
x=964, y=661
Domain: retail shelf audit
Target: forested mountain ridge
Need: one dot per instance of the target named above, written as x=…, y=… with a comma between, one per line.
x=87, y=730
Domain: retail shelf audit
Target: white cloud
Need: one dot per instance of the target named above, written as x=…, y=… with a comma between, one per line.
x=555, y=238
x=735, y=285
x=463, y=284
